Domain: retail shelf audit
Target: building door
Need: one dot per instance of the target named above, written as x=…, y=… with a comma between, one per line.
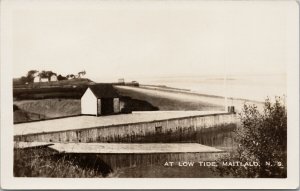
x=107, y=106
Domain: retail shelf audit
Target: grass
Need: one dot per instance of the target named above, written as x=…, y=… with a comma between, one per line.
x=72, y=89
x=49, y=93
x=31, y=110
x=44, y=162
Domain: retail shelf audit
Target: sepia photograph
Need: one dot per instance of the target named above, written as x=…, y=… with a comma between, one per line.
x=150, y=89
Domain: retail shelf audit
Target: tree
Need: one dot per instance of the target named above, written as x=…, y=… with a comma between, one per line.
x=82, y=73
x=70, y=76
x=60, y=77
x=43, y=74
x=50, y=74
x=23, y=80
x=46, y=74
x=262, y=138
x=31, y=75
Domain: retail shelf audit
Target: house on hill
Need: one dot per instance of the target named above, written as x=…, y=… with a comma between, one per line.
x=36, y=79
x=53, y=78
x=43, y=79
x=100, y=99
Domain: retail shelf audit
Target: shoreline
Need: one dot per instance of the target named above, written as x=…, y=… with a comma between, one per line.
x=190, y=92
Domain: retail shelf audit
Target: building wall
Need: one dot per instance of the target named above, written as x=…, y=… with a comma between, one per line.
x=99, y=111
x=122, y=105
x=89, y=103
x=44, y=80
x=36, y=79
x=213, y=130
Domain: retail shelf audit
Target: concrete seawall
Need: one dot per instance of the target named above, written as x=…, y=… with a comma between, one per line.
x=183, y=129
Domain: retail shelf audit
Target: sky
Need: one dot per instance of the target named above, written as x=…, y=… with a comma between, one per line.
x=113, y=39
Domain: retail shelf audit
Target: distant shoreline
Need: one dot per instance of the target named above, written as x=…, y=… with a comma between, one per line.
x=189, y=92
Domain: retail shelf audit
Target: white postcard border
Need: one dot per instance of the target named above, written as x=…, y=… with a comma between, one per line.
x=10, y=182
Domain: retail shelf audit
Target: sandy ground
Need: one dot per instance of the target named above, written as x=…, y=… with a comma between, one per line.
x=84, y=122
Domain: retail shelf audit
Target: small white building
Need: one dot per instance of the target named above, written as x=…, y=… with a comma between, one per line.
x=44, y=79
x=100, y=99
x=53, y=78
x=36, y=79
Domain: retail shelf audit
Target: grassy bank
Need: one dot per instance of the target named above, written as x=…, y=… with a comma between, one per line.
x=44, y=162
x=31, y=110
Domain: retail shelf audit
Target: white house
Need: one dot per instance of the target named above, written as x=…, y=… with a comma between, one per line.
x=44, y=79
x=100, y=99
x=36, y=79
x=53, y=78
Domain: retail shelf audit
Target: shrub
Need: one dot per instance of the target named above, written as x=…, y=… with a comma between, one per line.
x=261, y=138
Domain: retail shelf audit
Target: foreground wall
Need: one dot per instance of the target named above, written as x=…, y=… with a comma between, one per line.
x=212, y=129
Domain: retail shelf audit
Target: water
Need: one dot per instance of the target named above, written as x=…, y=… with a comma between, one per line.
x=252, y=87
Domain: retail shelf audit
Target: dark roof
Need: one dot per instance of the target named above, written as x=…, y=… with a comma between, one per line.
x=104, y=91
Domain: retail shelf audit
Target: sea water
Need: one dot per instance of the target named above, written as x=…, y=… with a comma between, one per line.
x=251, y=87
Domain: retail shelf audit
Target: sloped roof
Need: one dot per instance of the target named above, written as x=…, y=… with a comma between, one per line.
x=104, y=91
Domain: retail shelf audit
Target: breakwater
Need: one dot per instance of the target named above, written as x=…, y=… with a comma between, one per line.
x=209, y=129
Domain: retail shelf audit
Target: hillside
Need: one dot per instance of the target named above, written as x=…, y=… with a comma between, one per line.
x=30, y=110
x=62, y=83
x=67, y=89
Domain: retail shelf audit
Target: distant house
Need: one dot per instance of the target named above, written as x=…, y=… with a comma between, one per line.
x=53, y=78
x=44, y=79
x=100, y=99
x=36, y=79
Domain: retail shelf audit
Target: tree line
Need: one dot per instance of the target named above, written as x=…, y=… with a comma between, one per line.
x=32, y=74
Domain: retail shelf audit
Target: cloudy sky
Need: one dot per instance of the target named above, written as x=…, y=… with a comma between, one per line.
x=113, y=39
